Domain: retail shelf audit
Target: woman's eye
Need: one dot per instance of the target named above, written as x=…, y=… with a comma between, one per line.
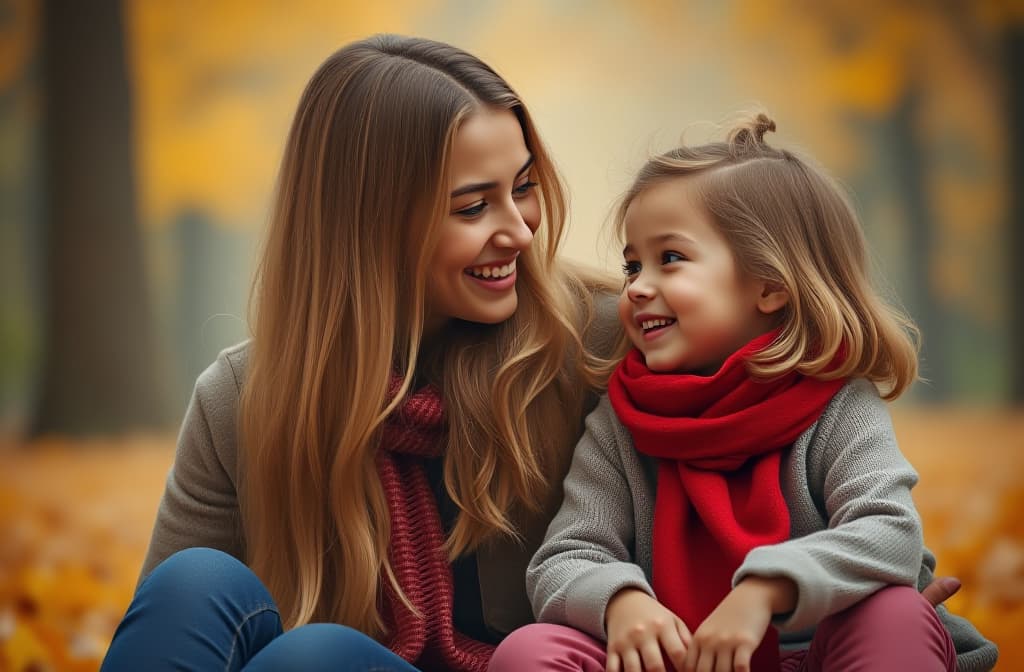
x=630, y=268
x=670, y=257
x=473, y=210
x=523, y=189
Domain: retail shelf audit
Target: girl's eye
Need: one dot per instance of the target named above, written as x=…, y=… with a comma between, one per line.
x=630, y=268
x=523, y=189
x=473, y=210
x=670, y=257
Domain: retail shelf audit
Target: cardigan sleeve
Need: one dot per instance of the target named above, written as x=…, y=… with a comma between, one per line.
x=873, y=536
x=199, y=506
x=587, y=554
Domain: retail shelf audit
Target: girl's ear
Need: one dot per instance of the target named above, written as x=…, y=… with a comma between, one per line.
x=773, y=297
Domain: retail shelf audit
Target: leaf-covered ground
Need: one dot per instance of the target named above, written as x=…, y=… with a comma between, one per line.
x=75, y=519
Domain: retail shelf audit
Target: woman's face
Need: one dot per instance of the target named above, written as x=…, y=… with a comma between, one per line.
x=492, y=215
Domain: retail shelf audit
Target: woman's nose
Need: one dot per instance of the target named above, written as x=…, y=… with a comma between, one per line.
x=514, y=233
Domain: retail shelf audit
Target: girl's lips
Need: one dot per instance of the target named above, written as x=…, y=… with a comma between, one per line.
x=651, y=334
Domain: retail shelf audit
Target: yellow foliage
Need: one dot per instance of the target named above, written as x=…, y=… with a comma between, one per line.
x=216, y=85
x=76, y=520
x=18, y=37
x=23, y=651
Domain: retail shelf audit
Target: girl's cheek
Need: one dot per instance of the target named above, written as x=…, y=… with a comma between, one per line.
x=626, y=315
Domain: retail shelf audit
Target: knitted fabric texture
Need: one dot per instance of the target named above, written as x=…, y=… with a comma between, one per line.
x=719, y=441
x=416, y=431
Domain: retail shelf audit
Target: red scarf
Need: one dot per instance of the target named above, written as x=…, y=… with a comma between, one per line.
x=719, y=441
x=415, y=431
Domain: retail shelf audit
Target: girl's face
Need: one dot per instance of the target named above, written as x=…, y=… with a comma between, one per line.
x=494, y=211
x=685, y=305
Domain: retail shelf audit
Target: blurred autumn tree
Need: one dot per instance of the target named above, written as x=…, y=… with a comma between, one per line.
x=19, y=168
x=1014, y=67
x=97, y=361
x=924, y=94
x=915, y=105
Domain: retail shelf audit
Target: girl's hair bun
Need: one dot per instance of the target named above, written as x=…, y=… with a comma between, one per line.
x=749, y=133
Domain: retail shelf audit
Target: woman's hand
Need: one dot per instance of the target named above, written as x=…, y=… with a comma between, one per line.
x=639, y=629
x=727, y=638
x=940, y=589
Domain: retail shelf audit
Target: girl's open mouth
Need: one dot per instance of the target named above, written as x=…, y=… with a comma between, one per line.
x=651, y=326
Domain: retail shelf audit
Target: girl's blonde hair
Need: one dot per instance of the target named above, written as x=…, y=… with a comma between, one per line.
x=338, y=305
x=791, y=225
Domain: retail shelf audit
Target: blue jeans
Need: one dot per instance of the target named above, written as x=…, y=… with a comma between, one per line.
x=204, y=610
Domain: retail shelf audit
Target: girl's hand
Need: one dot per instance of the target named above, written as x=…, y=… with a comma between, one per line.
x=726, y=640
x=639, y=629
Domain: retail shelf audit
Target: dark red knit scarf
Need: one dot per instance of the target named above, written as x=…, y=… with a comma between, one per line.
x=414, y=432
x=719, y=440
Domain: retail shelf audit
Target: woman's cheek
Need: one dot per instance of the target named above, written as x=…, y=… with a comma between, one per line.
x=529, y=209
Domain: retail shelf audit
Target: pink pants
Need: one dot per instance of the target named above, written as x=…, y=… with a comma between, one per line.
x=894, y=629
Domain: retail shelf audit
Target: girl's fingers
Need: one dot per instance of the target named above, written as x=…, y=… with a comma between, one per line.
x=684, y=633
x=723, y=661
x=613, y=663
x=650, y=655
x=706, y=662
x=741, y=660
x=631, y=661
x=692, y=656
x=674, y=648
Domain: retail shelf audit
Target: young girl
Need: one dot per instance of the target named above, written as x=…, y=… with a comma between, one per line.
x=742, y=479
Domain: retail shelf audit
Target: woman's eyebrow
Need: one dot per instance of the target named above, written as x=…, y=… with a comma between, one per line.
x=484, y=186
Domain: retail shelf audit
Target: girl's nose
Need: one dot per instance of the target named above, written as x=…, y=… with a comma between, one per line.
x=640, y=289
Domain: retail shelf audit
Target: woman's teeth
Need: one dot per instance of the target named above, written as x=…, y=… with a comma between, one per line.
x=492, y=272
x=652, y=324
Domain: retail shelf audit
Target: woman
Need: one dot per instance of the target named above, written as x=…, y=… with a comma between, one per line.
x=416, y=380
x=373, y=471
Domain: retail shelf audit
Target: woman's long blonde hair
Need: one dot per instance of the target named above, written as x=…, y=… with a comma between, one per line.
x=338, y=305
x=791, y=225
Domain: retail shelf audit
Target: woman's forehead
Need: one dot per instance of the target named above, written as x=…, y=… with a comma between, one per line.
x=489, y=146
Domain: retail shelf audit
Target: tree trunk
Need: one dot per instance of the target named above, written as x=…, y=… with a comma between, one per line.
x=98, y=361
x=920, y=253
x=1015, y=220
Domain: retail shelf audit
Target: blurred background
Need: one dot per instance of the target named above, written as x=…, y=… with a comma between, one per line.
x=139, y=143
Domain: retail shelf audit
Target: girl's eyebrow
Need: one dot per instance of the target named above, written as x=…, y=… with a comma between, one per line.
x=484, y=186
x=663, y=238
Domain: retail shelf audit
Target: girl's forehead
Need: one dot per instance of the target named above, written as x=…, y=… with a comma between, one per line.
x=667, y=213
x=665, y=204
x=676, y=193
